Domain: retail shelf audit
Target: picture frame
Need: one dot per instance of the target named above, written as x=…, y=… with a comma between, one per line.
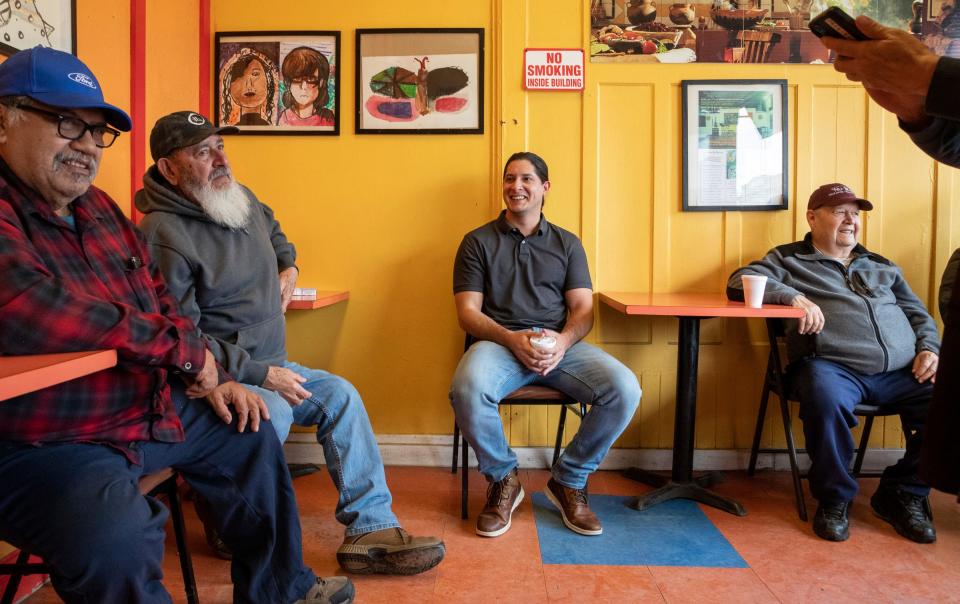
x=50, y=23
x=602, y=9
x=419, y=81
x=278, y=82
x=734, y=145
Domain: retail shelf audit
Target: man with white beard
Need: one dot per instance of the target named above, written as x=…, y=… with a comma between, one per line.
x=232, y=270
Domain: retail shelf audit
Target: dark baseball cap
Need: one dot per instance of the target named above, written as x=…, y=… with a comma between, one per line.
x=58, y=79
x=835, y=194
x=182, y=129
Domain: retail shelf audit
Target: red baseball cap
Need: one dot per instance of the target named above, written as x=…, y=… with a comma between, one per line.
x=835, y=194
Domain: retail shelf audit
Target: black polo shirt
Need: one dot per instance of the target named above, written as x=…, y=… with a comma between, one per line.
x=522, y=279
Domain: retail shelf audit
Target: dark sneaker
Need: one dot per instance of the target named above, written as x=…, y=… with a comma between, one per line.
x=503, y=497
x=391, y=551
x=574, y=508
x=330, y=590
x=908, y=513
x=210, y=532
x=831, y=521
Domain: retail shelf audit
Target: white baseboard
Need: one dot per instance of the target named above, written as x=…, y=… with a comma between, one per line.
x=435, y=450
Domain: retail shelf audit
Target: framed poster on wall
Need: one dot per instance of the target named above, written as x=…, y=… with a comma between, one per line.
x=734, y=145
x=419, y=81
x=278, y=82
x=28, y=23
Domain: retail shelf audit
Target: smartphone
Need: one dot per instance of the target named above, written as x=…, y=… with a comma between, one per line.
x=835, y=23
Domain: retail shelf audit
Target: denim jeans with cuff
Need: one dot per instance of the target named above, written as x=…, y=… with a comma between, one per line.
x=349, y=446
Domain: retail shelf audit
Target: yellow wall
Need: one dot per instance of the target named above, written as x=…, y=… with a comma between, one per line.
x=625, y=133
x=173, y=32
x=103, y=43
x=382, y=215
x=614, y=153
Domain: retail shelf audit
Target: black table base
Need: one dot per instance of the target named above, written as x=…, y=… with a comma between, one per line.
x=696, y=489
x=682, y=483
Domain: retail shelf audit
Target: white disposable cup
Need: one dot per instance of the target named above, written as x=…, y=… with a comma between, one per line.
x=544, y=342
x=753, y=290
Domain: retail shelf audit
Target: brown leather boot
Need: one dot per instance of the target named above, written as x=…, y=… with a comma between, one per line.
x=573, y=507
x=391, y=551
x=503, y=497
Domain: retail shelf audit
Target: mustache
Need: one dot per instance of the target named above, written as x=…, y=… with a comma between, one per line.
x=218, y=172
x=89, y=162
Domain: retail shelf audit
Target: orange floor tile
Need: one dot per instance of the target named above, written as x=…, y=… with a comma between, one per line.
x=787, y=563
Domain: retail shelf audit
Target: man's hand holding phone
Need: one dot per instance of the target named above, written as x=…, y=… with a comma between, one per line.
x=835, y=23
x=894, y=66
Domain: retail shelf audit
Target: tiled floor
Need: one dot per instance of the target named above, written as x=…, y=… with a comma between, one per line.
x=786, y=562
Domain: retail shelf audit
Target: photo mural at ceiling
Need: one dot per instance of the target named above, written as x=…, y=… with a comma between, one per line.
x=750, y=31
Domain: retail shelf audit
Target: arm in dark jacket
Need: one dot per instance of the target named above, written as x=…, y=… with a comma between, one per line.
x=776, y=291
x=941, y=138
x=947, y=282
x=286, y=252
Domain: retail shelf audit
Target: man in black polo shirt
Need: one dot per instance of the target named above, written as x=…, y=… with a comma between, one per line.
x=522, y=289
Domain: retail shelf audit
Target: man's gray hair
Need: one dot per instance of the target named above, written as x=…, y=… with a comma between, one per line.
x=13, y=104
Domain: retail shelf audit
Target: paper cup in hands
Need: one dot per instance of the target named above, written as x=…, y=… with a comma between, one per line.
x=544, y=343
x=753, y=290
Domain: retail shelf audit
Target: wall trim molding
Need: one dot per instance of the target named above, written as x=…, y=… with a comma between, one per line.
x=434, y=450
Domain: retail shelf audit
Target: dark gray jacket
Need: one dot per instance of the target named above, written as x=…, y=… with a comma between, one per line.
x=946, y=284
x=227, y=281
x=874, y=322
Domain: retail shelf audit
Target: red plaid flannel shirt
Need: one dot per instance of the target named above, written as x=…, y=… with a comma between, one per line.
x=96, y=287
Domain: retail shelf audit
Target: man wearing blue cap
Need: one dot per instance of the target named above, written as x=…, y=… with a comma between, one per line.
x=77, y=276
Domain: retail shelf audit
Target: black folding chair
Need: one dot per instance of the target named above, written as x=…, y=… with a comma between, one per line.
x=775, y=383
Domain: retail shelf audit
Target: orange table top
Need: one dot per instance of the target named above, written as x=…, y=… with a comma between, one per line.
x=323, y=299
x=23, y=374
x=692, y=305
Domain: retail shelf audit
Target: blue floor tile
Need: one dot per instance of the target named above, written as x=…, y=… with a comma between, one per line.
x=674, y=533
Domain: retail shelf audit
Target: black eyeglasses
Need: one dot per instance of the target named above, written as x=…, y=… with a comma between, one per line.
x=73, y=128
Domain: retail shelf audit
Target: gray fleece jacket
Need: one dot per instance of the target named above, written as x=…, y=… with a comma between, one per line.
x=227, y=281
x=874, y=322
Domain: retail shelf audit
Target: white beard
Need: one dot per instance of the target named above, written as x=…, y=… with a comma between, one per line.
x=228, y=207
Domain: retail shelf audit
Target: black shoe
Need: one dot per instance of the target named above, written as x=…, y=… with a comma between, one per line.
x=831, y=521
x=908, y=513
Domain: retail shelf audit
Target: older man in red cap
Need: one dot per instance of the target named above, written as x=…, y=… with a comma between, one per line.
x=865, y=337
x=77, y=275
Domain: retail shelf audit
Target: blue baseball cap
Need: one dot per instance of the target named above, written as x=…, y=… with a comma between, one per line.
x=58, y=79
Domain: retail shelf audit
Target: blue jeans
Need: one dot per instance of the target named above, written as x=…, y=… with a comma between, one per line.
x=488, y=371
x=77, y=506
x=349, y=447
x=827, y=393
